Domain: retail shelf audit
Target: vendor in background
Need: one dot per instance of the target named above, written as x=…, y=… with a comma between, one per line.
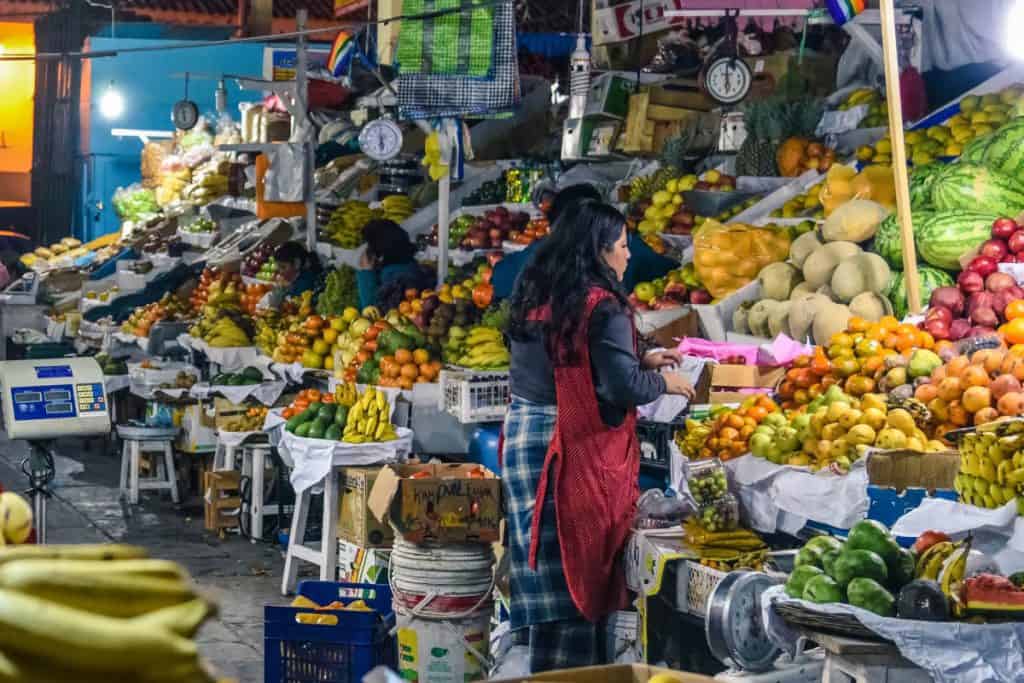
x=388, y=266
x=570, y=436
x=297, y=268
x=644, y=264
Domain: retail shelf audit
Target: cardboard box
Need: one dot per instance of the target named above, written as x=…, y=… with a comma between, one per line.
x=899, y=480
x=609, y=96
x=224, y=410
x=362, y=565
x=666, y=325
x=444, y=504
x=355, y=522
x=722, y=383
x=198, y=428
x=615, y=673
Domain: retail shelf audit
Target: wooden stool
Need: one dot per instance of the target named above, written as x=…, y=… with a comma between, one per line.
x=131, y=453
x=222, y=501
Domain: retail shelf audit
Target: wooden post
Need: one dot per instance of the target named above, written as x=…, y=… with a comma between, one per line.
x=899, y=155
x=387, y=34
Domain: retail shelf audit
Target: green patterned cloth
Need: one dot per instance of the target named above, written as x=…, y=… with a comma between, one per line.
x=457, y=44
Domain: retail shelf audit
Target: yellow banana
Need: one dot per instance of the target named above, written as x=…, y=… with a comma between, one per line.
x=155, y=569
x=184, y=619
x=86, y=551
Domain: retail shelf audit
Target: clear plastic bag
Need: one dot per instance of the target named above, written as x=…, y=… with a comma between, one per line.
x=707, y=480
x=727, y=257
x=655, y=510
x=135, y=202
x=721, y=514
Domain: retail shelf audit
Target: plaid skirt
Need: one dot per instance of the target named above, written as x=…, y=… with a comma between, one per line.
x=540, y=596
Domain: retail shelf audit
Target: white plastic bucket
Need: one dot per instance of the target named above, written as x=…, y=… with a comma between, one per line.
x=442, y=596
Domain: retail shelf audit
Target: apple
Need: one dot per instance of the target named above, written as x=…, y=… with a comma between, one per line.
x=937, y=328
x=940, y=313
x=995, y=249
x=699, y=297
x=970, y=282
x=1016, y=241
x=1011, y=258
x=1003, y=228
x=983, y=265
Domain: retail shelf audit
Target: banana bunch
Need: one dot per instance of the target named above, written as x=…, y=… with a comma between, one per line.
x=252, y=421
x=693, y=438
x=991, y=466
x=346, y=394
x=345, y=227
x=397, y=207
x=220, y=331
x=97, y=613
x=721, y=544
x=266, y=335
x=483, y=349
x=369, y=419
x=753, y=560
x=858, y=97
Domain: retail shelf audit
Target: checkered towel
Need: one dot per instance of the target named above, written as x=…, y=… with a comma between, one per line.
x=539, y=596
x=435, y=92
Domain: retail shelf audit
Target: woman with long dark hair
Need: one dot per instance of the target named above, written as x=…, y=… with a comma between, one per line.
x=570, y=435
x=388, y=266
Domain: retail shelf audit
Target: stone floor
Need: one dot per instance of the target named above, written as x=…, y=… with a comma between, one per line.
x=241, y=576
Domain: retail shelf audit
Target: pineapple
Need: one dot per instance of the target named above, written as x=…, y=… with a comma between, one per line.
x=765, y=123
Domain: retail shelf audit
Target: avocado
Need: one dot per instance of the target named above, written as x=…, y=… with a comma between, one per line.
x=808, y=555
x=317, y=428
x=252, y=374
x=333, y=432
x=852, y=564
x=821, y=589
x=868, y=534
x=303, y=429
x=799, y=578
x=326, y=413
x=315, y=407
x=236, y=380
x=828, y=560
x=871, y=595
x=294, y=422
x=341, y=415
x=823, y=543
x=219, y=379
x=923, y=600
x=901, y=572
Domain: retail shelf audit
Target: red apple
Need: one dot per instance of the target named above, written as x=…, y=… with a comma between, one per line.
x=939, y=329
x=1011, y=258
x=940, y=313
x=983, y=265
x=995, y=249
x=1016, y=241
x=699, y=297
x=970, y=282
x=1003, y=228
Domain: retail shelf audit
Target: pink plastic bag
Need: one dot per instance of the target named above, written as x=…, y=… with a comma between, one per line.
x=718, y=351
x=782, y=351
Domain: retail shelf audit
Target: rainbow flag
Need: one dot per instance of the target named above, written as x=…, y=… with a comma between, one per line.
x=342, y=51
x=843, y=11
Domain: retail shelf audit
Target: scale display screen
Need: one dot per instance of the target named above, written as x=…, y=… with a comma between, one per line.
x=28, y=397
x=57, y=396
x=53, y=371
x=58, y=401
x=59, y=408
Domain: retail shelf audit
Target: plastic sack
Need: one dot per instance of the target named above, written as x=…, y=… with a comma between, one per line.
x=135, y=202
x=655, y=510
x=718, y=351
x=729, y=256
x=843, y=183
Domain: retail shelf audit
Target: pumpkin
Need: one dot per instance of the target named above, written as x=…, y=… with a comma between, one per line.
x=791, y=156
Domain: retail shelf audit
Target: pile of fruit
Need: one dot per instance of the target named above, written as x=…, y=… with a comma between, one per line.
x=865, y=571
x=216, y=287
x=252, y=421
x=807, y=204
x=246, y=377
x=98, y=612
x=111, y=366
x=481, y=348
x=780, y=139
x=473, y=232
x=992, y=466
x=253, y=265
x=730, y=430
x=272, y=322
x=435, y=315
x=665, y=211
x=678, y=287
x=340, y=292
x=199, y=226
x=367, y=420
x=404, y=368
x=878, y=109
x=168, y=308
x=251, y=296
x=345, y=227
x=725, y=550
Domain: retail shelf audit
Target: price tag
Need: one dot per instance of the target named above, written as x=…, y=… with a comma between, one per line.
x=835, y=122
x=759, y=66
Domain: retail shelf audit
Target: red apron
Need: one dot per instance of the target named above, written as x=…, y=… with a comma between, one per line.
x=595, y=470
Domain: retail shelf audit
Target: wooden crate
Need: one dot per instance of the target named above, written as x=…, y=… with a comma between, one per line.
x=222, y=501
x=649, y=126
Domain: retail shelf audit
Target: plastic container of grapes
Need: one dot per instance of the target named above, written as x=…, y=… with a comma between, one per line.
x=722, y=514
x=699, y=477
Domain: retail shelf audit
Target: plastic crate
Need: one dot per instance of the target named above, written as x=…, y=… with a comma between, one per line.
x=654, y=438
x=472, y=397
x=695, y=583
x=321, y=653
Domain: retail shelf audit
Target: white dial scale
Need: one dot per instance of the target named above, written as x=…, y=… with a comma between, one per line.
x=381, y=139
x=728, y=79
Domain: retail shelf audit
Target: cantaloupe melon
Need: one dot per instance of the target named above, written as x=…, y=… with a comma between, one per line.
x=819, y=266
x=855, y=221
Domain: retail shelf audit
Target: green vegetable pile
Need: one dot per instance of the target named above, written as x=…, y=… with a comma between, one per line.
x=135, y=202
x=340, y=292
x=320, y=421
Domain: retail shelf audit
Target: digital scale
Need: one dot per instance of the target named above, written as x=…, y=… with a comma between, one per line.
x=44, y=400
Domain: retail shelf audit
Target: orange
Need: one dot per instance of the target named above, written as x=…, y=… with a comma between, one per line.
x=405, y=383
x=906, y=329
x=1014, y=331
x=857, y=324
x=889, y=323
x=403, y=356
x=1015, y=309
x=877, y=333
x=421, y=356
x=427, y=372
x=314, y=322
x=410, y=371
x=925, y=340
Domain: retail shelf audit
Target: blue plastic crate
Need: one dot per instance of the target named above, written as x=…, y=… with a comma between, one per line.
x=339, y=653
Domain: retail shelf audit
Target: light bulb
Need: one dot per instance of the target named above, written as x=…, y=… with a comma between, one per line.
x=111, y=103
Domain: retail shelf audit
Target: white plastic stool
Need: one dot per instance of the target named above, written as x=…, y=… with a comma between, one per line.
x=254, y=463
x=131, y=453
x=325, y=557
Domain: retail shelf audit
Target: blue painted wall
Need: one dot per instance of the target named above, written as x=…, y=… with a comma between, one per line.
x=146, y=84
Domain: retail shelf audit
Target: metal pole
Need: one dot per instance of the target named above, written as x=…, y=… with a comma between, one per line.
x=301, y=111
x=444, y=191
x=899, y=155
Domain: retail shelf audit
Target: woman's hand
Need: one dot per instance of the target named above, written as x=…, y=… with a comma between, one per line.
x=655, y=360
x=678, y=385
x=365, y=263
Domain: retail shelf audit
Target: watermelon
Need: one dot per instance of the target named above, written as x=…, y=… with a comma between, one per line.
x=888, y=244
x=931, y=279
x=945, y=237
x=921, y=180
x=974, y=151
x=970, y=187
x=1005, y=152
